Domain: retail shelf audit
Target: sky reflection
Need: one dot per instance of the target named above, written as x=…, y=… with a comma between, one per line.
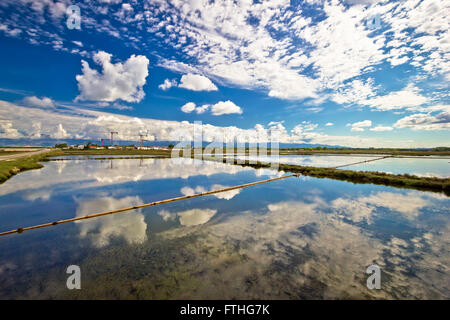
x=299, y=238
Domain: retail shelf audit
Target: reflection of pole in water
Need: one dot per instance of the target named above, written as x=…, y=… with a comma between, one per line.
x=140, y=162
x=111, y=164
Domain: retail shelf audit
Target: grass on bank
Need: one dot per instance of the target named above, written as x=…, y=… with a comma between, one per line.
x=8, y=168
x=7, y=153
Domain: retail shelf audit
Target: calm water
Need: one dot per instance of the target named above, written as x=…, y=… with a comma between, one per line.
x=310, y=160
x=416, y=166
x=298, y=238
x=420, y=166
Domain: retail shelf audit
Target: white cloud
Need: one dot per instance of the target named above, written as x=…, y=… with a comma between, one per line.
x=365, y=123
x=268, y=45
x=425, y=121
x=60, y=133
x=304, y=127
x=118, y=106
x=7, y=131
x=220, y=108
x=381, y=128
x=314, y=109
x=117, y=81
x=34, y=101
x=356, y=91
x=395, y=61
x=359, y=126
x=191, y=107
x=202, y=109
x=423, y=27
x=167, y=84
x=225, y=107
x=92, y=125
x=196, y=82
x=12, y=32
x=329, y=124
x=342, y=45
x=188, y=107
x=406, y=98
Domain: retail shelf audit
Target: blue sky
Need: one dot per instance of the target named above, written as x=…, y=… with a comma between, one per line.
x=349, y=73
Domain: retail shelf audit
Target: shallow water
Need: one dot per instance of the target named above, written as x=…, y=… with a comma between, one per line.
x=298, y=238
x=309, y=160
x=421, y=167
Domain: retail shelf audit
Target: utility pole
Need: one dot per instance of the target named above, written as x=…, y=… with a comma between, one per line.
x=112, y=137
x=101, y=142
x=141, y=136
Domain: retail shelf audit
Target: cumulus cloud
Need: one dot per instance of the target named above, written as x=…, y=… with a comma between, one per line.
x=122, y=81
x=425, y=121
x=202, y=109
x=218, y=109
x=359, y=126
x=60, y=133
x=381, y=128
x=167, y=84
x=225, y=107
x=196, y=82
x=406, y=98
x=34, y=101
x=188, y=107
x=89, y=124
x=191, y=107
x=7, y=131
x=329, y=124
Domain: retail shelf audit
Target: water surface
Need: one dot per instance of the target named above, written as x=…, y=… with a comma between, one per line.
x=310, y=160
x=298, y=238
x=422, y=167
